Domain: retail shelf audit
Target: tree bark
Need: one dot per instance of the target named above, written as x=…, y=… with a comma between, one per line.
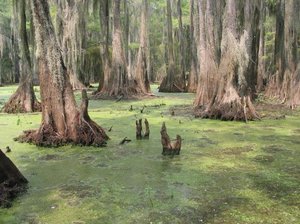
x=193, y=75
x=71, y=30
x=24, y=99
x=126, y=30
x=285, y=83
x=172, y=82
x=261, y=53
x=62, y=121
x=182, y=56
x=141, y=73
x=118, y=83
x=225, y=86
x=105, y=57
x=12, y=182
x=206, y=54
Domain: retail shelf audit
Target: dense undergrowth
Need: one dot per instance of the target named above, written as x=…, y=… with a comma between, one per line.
x=228, y=172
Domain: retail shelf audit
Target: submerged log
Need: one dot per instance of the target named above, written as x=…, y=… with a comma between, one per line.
x=125, y=140
x=169, y=148
x=12, y=182
x=139, y=129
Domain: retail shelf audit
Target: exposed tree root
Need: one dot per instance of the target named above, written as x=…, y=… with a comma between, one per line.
x=12, y=182
x=22, y=101
x=125, y=93
x=45, y=137
x=176, y=86
x=286, y=91
x=240, y=109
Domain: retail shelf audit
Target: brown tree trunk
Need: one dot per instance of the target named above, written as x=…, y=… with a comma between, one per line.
x=206, y=54
x=285, y=83
x=141, y=73
x=71, y=31
x=172, y=82
x=12, y=181
x=16, y=73
x=182, y=48
x=24, y=99
x=118, y=83
x=193, y=76
x=252, y=14
x=126, y=31
x=261, y=76
x=62, y=121
x=225, y=87
x=105, y=57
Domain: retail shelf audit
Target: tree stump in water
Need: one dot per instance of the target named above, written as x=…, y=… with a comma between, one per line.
x=139, y=129
x=169, y=148
x=12, y=181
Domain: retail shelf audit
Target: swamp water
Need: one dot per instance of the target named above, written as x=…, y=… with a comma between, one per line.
x=228, y=172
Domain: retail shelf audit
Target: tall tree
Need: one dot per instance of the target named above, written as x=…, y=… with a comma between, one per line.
x=104, y=49
x=71, y=32
x=15, y=43
x=227, y=71
x=182, y=48
x=141, y=74
x=285, y=83
x=261, y=54
x=194, y=26
x=118, y=83
x=172, y=82
x=24, y=99
x=126, y=25
x=62, y=121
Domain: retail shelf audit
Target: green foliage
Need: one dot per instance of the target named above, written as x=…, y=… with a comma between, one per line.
x=271, y=5
x=134, y=45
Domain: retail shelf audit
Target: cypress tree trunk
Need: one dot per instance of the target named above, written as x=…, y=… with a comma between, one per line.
x=172, y=82
x=12, y=181
x=105, y=57
x=285, y=83
x=117, y=83
x=71, y=30
x=206, y=54
x=126, y=30
x=15, y=43
x=182, y=55
x=225, y=86
x=194, y=26
x=261, y=53
x=23, y=100
x=62, y=121
x=141, y=73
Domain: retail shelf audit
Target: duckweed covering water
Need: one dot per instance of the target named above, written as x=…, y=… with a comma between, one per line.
x=228, y=172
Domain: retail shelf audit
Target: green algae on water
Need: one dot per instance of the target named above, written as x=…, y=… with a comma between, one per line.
x=228, y=172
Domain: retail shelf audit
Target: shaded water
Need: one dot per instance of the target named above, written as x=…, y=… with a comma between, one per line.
x=228, y=172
